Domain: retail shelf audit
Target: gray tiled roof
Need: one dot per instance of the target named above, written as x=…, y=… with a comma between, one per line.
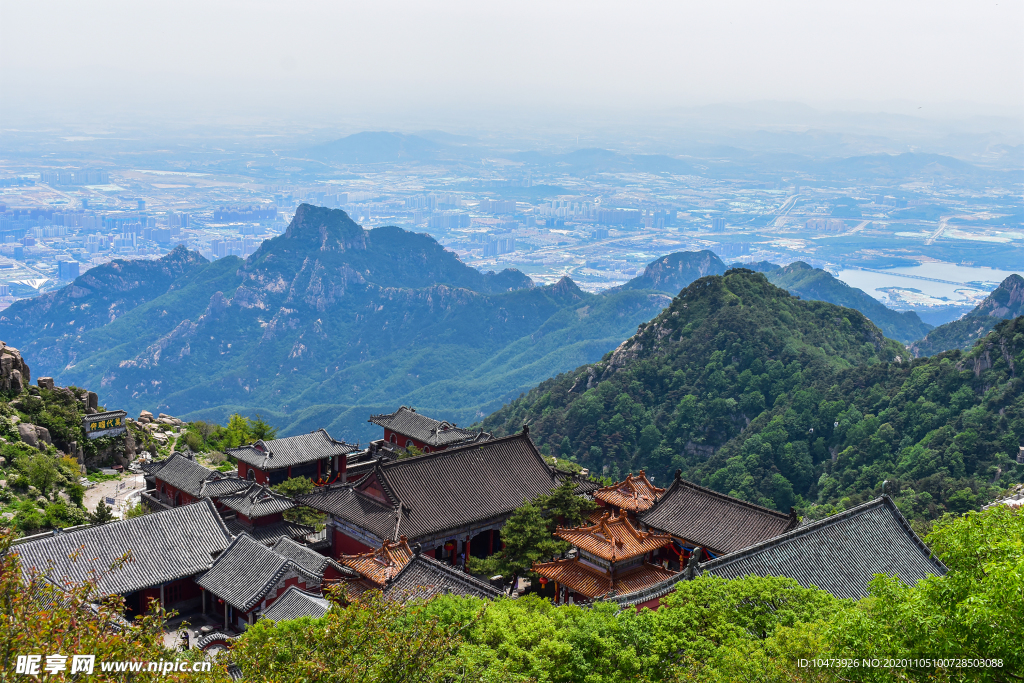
x=189, y=476
x=425, y=429
x=246, y=570
x=424, y=577
x=442, y=490
x=213, y=637
x=221, y=484
x=713, y=520
x=257, y=500
x=309, y=559
x=165, y=546
x=292, y=450
x=182, y=473
x=839, y=554
x=295, y=603
x=269, y=534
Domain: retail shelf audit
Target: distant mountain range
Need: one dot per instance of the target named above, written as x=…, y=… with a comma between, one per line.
x=375, y=147
x=330, y=322
x=672, y=273
x=1004, y=303
x=322, y=326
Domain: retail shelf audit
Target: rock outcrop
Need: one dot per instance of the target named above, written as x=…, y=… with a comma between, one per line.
x=14, y=372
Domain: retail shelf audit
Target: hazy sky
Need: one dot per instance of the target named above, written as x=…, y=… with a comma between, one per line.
x=316, y=59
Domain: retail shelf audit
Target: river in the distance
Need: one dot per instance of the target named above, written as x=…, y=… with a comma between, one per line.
x=873, y=282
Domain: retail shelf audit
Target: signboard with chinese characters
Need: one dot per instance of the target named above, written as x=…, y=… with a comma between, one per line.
x=110, y=423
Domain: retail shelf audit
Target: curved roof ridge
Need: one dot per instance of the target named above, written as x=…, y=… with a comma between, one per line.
x=717, y=494
x=460, y=447
x=447, y=570
x=883, y=500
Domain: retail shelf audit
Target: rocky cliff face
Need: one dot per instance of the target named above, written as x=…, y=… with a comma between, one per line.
x=329, y=316
x=14, y=371
x=672, y=273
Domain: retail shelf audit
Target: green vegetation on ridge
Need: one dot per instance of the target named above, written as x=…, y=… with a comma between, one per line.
x=783, y=402
x=814, y=283
x=1007, y=301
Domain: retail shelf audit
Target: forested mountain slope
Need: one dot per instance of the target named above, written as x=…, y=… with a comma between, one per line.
x=675, y=271
x=814, y=283
x=782, y=401
x=1004, y=303
x=326, y=324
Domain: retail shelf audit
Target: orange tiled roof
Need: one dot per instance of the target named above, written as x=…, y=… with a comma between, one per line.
x=593, y=583
x=634, y=494
x=355, y=589
x=594, y=516
x=613, y=538
x=380, y=565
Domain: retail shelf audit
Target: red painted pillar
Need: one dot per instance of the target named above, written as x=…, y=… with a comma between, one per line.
x=465, y=566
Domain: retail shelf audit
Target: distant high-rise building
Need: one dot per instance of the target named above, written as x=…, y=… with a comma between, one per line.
x=502, y=245
x=5, y=290
x=718, y=224
x=825, y=225
x=496, y=206
x=450, y=220
x=67, y=270
x=732, y=250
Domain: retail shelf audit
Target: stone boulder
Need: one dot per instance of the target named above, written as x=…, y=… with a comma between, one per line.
x=28, y=434
x=14, y=372
x=45, y=383
x=34, y=435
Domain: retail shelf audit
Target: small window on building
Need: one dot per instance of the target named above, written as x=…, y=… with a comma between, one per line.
x=426, y=449
x=394, y=439
x=251, y=475
x=408, y=443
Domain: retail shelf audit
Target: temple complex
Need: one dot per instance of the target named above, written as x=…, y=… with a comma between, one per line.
x=180, y=480
x=839, y=554
x=376, y=567
x=612, y=556
x=452, y=502
x=316, y=456
x=698, y=517
x=632, y=495
x=405, y=428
